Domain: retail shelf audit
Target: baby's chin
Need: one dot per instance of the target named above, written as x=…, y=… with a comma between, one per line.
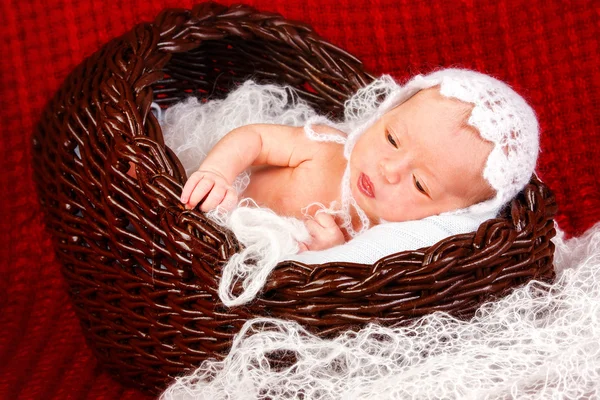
x=366, y=206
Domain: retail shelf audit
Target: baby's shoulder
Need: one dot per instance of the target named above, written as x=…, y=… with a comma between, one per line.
x=326, y=158
x=325, y=142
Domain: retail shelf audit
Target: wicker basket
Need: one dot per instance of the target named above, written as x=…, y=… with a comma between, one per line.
x=143, y=272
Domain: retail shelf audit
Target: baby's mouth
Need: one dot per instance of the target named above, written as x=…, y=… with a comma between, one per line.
x=365, y=185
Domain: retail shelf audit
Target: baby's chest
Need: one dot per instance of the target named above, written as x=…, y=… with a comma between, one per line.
x=287, y=190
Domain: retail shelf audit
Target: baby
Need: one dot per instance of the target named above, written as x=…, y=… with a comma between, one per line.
x=451, y=142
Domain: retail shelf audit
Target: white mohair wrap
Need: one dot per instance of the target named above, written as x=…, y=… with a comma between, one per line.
x=540, y=342
x=501, y=116
x=257, y=229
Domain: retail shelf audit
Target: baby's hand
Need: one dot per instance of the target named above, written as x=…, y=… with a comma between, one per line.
x=324, y=232
x=210, y=186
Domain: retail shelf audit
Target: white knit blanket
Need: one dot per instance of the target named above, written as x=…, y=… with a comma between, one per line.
x=390, y=238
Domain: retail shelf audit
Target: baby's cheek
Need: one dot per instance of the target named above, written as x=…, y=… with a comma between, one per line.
x=400, y=205
x=482, y=191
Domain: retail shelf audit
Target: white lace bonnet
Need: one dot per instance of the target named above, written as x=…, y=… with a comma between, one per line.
x=499, y=114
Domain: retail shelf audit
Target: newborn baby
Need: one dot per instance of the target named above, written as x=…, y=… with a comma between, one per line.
x=452, y=141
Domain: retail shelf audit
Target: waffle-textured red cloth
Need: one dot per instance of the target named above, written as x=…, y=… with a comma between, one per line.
x=547, y=49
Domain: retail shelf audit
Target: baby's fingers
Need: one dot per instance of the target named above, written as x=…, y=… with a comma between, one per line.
x=200, y=191
x=214, y=198
x=302, y=247
x=189, y=186
x=324, y=232
x=325, y=220
x=313, y=227
x=230, y=200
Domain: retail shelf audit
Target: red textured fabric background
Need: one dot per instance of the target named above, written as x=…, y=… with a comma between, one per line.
x=547, y=49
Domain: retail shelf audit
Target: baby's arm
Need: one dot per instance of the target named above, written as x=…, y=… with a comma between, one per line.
x=257, y=144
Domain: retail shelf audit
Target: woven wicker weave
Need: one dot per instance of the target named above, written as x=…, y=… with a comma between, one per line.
x=143, y=272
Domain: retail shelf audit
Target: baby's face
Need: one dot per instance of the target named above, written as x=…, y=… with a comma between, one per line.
x=420, y=159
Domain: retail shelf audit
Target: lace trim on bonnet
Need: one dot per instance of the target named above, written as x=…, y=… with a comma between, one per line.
x=499, y=114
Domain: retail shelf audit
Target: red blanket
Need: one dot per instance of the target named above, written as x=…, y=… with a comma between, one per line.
x=547, y=49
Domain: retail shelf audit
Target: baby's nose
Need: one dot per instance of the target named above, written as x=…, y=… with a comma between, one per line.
x=392, y=170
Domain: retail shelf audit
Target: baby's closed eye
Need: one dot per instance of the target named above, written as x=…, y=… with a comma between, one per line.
x=391, y=139
x=420, y=186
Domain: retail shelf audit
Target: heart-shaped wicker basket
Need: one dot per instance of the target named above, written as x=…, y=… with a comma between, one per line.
x=143, y=272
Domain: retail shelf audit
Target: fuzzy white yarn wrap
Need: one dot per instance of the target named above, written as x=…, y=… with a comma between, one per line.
x=540, y=342
x=266, y=239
